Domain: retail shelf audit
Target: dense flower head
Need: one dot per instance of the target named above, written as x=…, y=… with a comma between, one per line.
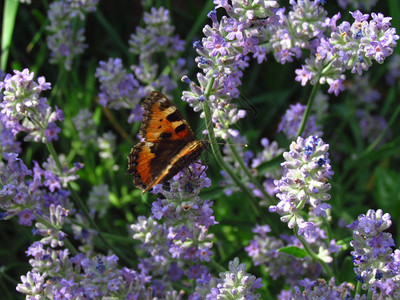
x=233, y=284
x=294, y=31
x=168, y=258
x=17, y=196
x=156, y=36
x=373, y=256
x=177, y=246
x=264, y=251
x=8, y=141
x=23, y=110
x=81, y=276
x=349, y=47
x=54, y=178
x=64, y=40
x=157, y=40
x=119, y=89
x=291, y=121
x=306, y=170
x=319, y=289
x=223, y=54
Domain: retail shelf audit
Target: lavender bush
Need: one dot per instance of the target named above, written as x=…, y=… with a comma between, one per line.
x=297, y=197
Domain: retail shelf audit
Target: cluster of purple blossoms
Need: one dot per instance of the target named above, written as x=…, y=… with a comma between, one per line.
x=58, y=275
x=264, y=251
x=178, y=245
x=8, y=141
x=376, y=265
x=120, y=89
x=291, y=121
x=54, y=178
x=294, y=31
x=223, y=54
x=320, y=289
x=25, y=198
x=23, y=110
x=66, y=40
x=157, y=37
x=233, y=284
x=306, y=171
x=349, y=47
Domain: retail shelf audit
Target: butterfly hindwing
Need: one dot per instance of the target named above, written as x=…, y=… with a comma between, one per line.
x=162, y=121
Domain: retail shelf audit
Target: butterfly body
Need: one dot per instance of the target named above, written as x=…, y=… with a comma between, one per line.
x=169, y=144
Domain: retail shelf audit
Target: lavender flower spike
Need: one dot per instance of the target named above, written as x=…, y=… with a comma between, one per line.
x=307, y=169
x=375, y=263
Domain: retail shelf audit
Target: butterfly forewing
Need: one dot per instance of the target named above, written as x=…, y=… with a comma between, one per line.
x=162, y=121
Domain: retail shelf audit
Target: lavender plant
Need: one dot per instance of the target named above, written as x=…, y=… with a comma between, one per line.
x=260, y=217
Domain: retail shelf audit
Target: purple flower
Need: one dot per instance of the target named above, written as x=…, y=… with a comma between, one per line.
x=291, y=121
x=372, y=256
x=306, y=170
x=23, y=110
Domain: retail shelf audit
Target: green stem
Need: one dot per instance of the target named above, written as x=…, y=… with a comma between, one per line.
x=312, y=254
x=308, y=109
x=247, y=171
x=358, y=288
x=78, y=201
x=217, y=153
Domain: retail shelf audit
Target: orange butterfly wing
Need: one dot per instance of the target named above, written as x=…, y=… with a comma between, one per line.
x=169, y=144
x=163, y=121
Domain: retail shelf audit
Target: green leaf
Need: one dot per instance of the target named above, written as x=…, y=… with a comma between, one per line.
x=9, y=15
x=295, y=251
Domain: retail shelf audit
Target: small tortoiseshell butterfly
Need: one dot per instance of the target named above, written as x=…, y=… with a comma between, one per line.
x=169, y=144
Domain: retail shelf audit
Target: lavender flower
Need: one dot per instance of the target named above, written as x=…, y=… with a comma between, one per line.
x=16, y=195
x=320, y=289
x=183, y=238
x=64, y=41
x=23, y=110
x=223, y=54
x=350, y=46
x=264, y=251
x=307, y=169
x=57, y=275
x=294, y=31
x=233, y=284
x=54, y=178
x=8, y=141
x=157, y=39
x=291, y=121
x=118, y=88
x=373, y=257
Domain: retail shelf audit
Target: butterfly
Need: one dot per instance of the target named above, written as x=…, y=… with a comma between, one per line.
x=169, y=144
